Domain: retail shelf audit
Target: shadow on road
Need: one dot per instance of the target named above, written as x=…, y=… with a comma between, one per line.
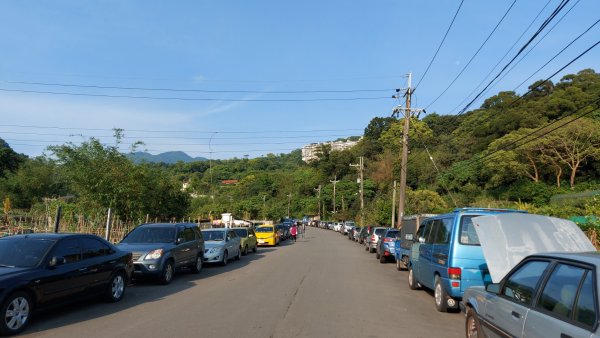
x=140, y=292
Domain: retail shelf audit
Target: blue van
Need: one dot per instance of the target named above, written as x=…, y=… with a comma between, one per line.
x=447, y=257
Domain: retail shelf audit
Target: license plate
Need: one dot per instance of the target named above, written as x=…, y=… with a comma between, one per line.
x=261, y=242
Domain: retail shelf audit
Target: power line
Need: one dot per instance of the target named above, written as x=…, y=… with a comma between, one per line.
x=557, y=54
x=540, y=29
x=474, y=55
x=503, y=57
x=182, y=131
x=184, y=90
x=190, y=98
x=439, y=47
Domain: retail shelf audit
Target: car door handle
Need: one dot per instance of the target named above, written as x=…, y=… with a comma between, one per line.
x=564, y=335
x=516, y=314
x=82, y=269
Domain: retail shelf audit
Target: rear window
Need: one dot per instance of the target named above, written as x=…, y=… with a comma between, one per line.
x=468, y=236
x=392, y=233
x=241, y=232
x=264, y=229
x=379, y=232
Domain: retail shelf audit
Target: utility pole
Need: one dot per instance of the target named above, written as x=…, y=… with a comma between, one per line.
x=407, y=111
x=394, y=206
x=319, y=203
x=289, y=203
x=361, y=168
x=265, y=207
x=335, y=181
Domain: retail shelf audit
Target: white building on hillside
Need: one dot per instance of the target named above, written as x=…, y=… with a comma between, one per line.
x=310, y=151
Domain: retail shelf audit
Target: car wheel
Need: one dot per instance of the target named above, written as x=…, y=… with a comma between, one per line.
x=382, y=259
x=255, y=248
x=412, y=283
x=377, y=255
x=371, y=250
x=197, y=264
x=239, y=255
x=16, y=312
x=398, y=265
x=472, y=325
x=224, y=261
x=245, y=250
x=440, y=295
x=167, y=274
x=116, y=288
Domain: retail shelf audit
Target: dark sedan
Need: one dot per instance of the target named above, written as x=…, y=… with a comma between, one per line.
x=37, y=270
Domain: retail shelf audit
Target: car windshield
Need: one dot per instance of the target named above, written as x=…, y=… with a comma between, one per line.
x=213, y=235
x=146, y=234
x=379, y=232
x=468, y=235
x=241, y=232
x=264, y=229
x=23, y=252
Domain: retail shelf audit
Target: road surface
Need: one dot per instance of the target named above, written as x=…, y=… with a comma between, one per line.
x=321, y=286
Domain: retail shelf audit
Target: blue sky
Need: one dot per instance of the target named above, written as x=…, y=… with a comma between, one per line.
x=255, y=47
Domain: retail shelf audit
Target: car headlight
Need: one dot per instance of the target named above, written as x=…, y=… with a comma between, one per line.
x=154, y=254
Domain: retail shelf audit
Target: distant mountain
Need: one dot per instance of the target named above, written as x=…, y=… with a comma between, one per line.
x=169, y=157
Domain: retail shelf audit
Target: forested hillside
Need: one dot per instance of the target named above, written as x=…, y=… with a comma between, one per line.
x=515, y=151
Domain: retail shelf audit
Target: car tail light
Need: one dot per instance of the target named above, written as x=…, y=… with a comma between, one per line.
x=388, y=239
x=455, y=284
x=372, y=238
x=454, y=273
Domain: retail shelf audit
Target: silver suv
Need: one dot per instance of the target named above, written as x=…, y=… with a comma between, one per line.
x=373, y=238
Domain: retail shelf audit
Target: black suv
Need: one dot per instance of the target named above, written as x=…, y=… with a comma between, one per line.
x=161, y=248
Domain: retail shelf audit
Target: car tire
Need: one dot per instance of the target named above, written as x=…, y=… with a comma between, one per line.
x=371, y=250
x=377, y=255
x=472, y=325
x=239, y=255
x=412, y=283
x=167, y=273
x=245, y=250
x=382, y=259
x=439, y=295
x=255, y=248
x=366, y=248
x=116, y=288
x=197, y=266
x=398, y=265
x=225, y=258
x=20, y=306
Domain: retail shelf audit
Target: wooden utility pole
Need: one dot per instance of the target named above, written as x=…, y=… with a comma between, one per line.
x=393, y=206
x=361, y=168
x=319, y=203
x=289, y=203
x=335, y=181
x=407, y=115
x=407, y=112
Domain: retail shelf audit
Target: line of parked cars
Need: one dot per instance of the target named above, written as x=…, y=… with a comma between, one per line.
x=511, y=273
x=38, y=271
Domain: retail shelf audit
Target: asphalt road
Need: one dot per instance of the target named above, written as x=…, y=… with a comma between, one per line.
x=321, y=286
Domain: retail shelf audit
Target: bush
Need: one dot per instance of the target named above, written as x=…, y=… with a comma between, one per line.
x=531, y=192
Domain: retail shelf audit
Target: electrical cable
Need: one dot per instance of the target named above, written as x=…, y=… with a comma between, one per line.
x=190, y=98
x=439, y=46
x=474, y=55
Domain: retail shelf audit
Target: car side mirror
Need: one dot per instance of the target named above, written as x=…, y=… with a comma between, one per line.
x=493, y=288
x=250, y=235
x=408, y=237
x=179, y=240
x=56, y=261
x=421, y=239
